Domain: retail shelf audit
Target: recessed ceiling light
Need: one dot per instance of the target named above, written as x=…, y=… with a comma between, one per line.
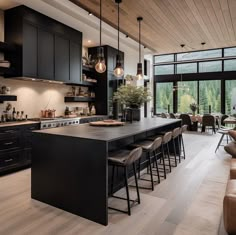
x=89, y=41
x=90, y=13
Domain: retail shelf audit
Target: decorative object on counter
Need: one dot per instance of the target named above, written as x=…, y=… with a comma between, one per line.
x=48, y=113
x=107, y=123
x=132, y=97
x=87, y=61
x=5, y=64
x=139, y=65
x=5, y=90
x=100, y=66
x=118, y=70
x=193, y=107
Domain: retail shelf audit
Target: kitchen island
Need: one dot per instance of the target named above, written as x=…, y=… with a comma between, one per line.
x=69, y=164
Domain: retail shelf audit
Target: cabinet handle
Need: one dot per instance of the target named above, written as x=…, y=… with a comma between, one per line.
x=8, y=143
x=10, y=131
x=9, y=160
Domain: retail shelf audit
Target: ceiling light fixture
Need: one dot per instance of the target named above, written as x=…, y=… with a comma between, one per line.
x=100, y=66
x=118, y=70
x=139, y=65
x=90, y=13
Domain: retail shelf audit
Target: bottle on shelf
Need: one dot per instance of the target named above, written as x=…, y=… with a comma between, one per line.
x=17, y=115
x=14, y=114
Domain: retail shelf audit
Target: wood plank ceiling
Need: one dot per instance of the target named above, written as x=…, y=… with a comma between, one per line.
x=169, y=23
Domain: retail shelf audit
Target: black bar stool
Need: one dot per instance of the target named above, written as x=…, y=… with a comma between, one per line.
x=182, y=149
x=123, y=159
x=150, y=148
x=176, y=137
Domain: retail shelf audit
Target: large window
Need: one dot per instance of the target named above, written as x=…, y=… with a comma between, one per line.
x=230, y=51
x=197, y=55
x=164, y=97
x=164, y=58
x=186, y=96
x=187, y=68
x=164, y=69
x=230, y=65
x=211, y=66
x=209, y=96
x=230, y=96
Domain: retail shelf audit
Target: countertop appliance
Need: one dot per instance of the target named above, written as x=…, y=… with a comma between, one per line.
x=46, y=123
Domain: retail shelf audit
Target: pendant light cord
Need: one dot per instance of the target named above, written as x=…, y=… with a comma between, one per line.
x=118, y=28
x=139, y=41
x=100, y=23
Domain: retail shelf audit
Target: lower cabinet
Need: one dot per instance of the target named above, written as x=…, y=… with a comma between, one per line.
x=15, y=147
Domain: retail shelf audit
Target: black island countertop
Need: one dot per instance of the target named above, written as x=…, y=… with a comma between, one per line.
x=110, y=133
x=70, y=167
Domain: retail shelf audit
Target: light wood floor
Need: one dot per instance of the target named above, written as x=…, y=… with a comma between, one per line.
x=188, y=202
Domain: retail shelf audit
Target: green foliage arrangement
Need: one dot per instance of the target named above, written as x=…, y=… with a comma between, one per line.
x=132, y=96
x=193, y=107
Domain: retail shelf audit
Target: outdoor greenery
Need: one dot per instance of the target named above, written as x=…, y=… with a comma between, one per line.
x=209, y=95
x=132, y=96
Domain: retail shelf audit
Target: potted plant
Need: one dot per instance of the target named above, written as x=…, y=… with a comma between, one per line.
x=132, y=97
x=193, y=107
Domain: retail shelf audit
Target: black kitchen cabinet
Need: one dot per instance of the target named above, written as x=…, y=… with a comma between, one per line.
x=75, y=62
x=15, y=147
x=62, y=59
x=29, y=50
x=45, y=55
x=46, y=49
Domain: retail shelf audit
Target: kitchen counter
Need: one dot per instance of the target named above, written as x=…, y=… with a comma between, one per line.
x=110, y=133
x=17, y=123
x=69, y=164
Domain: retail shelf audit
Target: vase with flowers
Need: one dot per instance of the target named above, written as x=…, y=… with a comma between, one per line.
x=193, y=107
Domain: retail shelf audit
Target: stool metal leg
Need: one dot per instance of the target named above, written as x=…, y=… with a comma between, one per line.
x=173, y=140
x=127, y=189
x=168, y=155
x=179, y=148
x=158, y=175
x=150, y=167
x=136, y=182
x=182, y=140
x=221, y=138
x=163, y=159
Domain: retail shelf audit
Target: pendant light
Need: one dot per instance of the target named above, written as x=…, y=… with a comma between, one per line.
x=118, y=70
x=100, y=66
x=139, y=65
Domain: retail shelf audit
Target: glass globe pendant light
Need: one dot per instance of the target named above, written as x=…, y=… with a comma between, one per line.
x=100, y=66
x=139, y=65
x=118, y=70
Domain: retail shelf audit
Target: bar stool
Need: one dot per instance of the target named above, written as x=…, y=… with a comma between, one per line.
x=182, y=149
x=175, y=137
x=223, y=132
x=123, y=159
x=166, y=138
x=150, y=148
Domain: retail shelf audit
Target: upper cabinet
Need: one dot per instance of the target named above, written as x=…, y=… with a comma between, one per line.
x=46, y=49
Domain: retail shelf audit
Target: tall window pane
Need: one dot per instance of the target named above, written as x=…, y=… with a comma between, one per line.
x=230, y=52
x=230, y=96
x=164, y=97
x=186, y=96
x=196, y=55
x=187, y=68
x=164, y=58
x=230, y=65
x=209, y=95
x=211, y=66
x=164, y=69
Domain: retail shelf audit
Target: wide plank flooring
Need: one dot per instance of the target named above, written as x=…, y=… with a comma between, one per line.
x=188, y=202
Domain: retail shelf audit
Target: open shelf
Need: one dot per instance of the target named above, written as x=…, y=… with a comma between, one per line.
x=6, y=71
x=88, y=69
x=7, y=98
x=82, y=83
x=78, y=99
x=7, y=47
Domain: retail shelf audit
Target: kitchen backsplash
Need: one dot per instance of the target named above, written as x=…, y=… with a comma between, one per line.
x=32, y=97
